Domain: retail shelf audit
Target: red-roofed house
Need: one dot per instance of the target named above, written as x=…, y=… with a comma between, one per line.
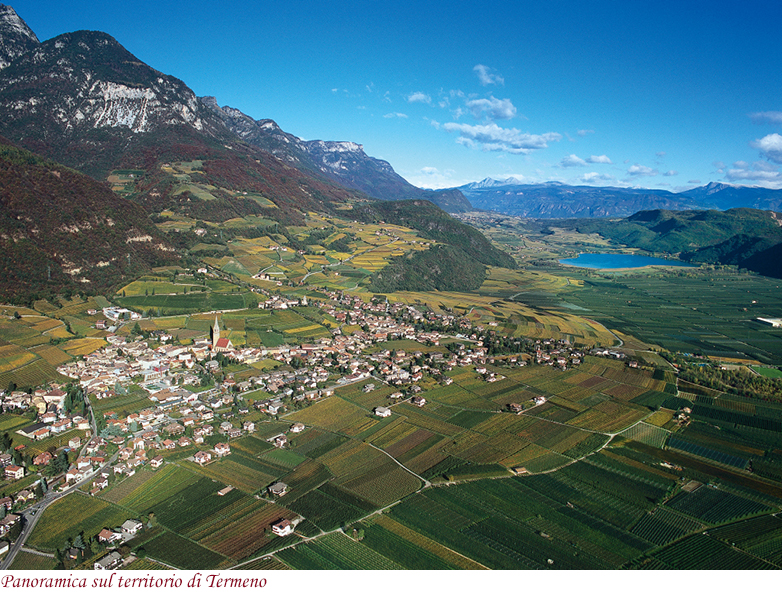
x=202, y=457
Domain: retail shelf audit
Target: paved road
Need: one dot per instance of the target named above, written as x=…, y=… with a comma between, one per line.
x=31, y=515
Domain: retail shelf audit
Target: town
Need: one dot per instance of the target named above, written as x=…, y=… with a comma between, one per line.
x=189, y=402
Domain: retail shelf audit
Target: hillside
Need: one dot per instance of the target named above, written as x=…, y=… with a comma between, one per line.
x=16, y=39
x=748, y=238
x=61, y=231
x=85, y=101
x=434, y=224
x=726, y=196
x=458, y=264
x=345, y=163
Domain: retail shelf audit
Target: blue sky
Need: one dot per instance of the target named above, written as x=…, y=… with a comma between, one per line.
x=654, y=94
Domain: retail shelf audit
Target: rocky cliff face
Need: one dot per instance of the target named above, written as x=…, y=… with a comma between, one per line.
x=81, y=98
x=16, y=38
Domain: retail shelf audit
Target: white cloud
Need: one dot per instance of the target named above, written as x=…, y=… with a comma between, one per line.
x=770, y=146
x=572, y=161
x=641, y=170
x=488, y=76
x=694, y=182
x=419, y=97
x=594, y=178
x=491, y=137
x=660, y=154
x=766, y=117
x=492, y=108
x=585, y=132
x=395, y=115
x=765, y=177
x=599, y=159
x=761, y=172
x=431, y=177
x=670, y=173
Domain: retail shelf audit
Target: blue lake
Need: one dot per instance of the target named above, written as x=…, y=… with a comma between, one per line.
x=620, y=261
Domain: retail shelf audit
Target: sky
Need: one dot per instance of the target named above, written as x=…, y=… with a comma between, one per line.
x=653, y=94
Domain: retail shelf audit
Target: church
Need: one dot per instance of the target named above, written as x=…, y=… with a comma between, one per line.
x=219, y=345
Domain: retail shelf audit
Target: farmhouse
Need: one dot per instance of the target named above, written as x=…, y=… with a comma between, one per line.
x=202, y=457
x=109, y=562
x=14, y=472
x=29, y=431
x=131, y=526
x=278, y=489
x=42, y=459
x=282, y=528
x=222, y=449
x=7, y=522
x=109, y=536
x=382, y=411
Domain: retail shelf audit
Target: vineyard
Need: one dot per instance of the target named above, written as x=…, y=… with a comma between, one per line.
x=712, y=505
x=336, y=552
x=71, y=515
x=181, y=553
x=248, y=533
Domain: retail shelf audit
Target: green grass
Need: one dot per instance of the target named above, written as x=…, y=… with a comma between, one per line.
x=768, y=372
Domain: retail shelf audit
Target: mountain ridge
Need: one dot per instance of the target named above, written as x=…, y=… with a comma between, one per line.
x=344, y=162
x=554, y=200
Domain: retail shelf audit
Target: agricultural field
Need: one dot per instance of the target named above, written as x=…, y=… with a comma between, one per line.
x=71, y=515
x=601, y=465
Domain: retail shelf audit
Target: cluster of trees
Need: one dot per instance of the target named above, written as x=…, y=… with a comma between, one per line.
x=738, y=381
x=74, y=400
x=441, y=268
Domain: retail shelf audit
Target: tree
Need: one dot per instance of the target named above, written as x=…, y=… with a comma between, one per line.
x=16, y=529
x=61, y=463
x=78, y=541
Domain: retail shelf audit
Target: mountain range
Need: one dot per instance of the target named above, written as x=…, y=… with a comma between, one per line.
x=553, y=200
x=83, y=101
x=79, y=106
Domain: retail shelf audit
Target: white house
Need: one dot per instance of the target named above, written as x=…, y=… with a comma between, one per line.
x=282, y=528
x=382, y=411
